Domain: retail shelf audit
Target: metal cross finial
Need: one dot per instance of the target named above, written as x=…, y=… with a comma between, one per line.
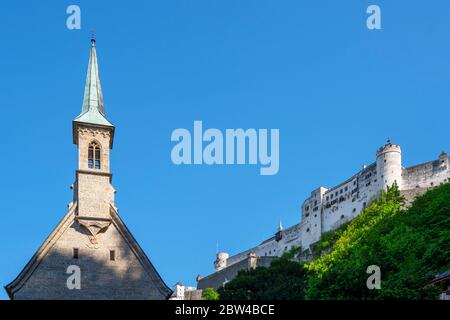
x=93, y=37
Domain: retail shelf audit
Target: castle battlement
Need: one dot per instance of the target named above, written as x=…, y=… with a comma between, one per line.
x=327, y=209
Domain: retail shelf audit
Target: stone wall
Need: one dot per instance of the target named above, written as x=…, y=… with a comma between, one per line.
x=94, y=194
x=327, y=209
x=87, y=134
x=93, y=190
x=426, y=175
x=217, y=279
x=101, y=278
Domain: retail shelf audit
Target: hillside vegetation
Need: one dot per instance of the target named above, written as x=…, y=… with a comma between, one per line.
x=410, y=246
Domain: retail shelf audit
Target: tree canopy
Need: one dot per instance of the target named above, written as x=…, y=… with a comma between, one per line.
x=410, y=246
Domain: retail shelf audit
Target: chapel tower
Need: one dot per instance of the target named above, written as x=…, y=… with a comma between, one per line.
x=90, y=254
x=389, y=165
x=94, y=136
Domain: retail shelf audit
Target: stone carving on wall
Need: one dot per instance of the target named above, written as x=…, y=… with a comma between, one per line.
x=95, y=227
x=93, y=132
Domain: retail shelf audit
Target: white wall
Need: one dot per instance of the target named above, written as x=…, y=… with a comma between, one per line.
x=321, y=213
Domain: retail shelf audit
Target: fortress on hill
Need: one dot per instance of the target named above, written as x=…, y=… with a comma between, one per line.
x=327, y=209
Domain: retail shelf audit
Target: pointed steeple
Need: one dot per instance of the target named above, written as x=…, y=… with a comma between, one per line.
x=93, y=110
x=279, y=234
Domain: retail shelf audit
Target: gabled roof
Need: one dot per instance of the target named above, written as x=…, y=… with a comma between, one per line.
x=65, y=223
x=34, y=262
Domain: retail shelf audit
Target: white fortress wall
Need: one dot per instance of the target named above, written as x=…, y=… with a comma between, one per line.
x=427, y=175
x=272, y=247
x=327, y=209
x=311, y=224
x=240, y=256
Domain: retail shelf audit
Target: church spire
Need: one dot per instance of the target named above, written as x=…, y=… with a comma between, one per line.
x=280, y=227
x=93, y=110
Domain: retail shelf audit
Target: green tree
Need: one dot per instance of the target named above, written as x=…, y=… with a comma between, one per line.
x=283, y=280
x=210, y=294
x=410, y=246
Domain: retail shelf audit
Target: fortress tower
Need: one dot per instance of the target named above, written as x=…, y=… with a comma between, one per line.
x=221, y=261
x=443, y=160
x=389, y=165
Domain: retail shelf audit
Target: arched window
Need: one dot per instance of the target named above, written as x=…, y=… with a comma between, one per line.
x=94, y=156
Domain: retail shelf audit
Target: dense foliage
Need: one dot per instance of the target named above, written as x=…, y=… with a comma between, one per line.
x=210, y=294
x=283, y=280
x=410, y=247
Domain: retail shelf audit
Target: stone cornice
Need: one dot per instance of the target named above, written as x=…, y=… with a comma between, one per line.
x=95, y=172
x=76, y=125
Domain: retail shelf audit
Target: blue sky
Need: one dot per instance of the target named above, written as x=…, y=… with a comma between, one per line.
x=335, y=89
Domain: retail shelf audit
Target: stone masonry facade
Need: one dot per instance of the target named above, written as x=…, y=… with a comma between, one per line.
x=327, y=209
x=91, y=238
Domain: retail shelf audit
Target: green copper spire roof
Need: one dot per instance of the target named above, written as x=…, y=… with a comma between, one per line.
x=93, y=110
